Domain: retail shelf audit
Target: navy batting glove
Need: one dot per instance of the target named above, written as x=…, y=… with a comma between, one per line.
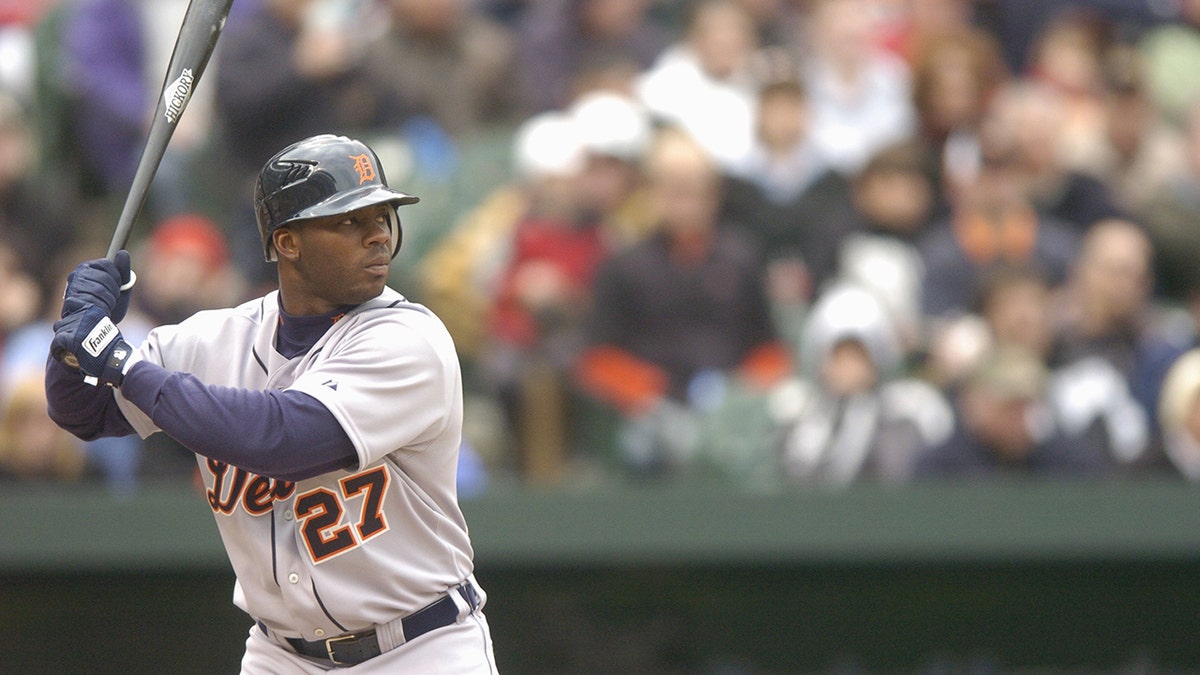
x=101, y=283
x=95, y=341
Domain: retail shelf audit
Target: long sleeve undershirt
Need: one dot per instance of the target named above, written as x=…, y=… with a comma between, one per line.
x=281, y=434
x=275, y=433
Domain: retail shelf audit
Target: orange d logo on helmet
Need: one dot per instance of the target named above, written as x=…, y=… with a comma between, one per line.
x=366, y=171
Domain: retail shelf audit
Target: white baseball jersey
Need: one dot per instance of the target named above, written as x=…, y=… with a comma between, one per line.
x=347, y=549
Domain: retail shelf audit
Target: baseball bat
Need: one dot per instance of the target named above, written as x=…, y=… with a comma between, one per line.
x=202, y=24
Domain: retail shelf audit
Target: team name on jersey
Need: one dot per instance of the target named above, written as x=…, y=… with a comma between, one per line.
x=232, y=486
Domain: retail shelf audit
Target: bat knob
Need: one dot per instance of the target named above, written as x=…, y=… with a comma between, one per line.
x=70, y=360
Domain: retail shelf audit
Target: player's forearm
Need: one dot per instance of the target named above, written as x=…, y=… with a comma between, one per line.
x=87, y=412
x=280, y=434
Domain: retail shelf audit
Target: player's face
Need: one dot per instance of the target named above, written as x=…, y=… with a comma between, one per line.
x=340, y=260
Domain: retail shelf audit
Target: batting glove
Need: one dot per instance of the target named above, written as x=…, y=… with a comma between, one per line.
x=95, y=341
x=101, y=283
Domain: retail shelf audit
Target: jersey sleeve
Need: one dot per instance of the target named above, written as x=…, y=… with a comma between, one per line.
x=392, y=382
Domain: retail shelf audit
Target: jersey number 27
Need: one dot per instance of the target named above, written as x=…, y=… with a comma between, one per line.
x=320, y=513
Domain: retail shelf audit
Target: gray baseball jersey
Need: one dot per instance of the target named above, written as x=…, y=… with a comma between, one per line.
x=347, y=549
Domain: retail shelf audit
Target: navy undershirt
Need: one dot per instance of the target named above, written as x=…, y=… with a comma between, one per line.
x=280, y=434
x=297, y=334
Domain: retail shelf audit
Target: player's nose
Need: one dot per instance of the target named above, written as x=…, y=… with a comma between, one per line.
x=377, y=234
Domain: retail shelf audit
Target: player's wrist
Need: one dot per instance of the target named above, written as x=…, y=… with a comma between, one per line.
x=110, y=369
x=118, y=364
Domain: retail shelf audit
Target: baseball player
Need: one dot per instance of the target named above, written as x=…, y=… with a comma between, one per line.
x=325, y=417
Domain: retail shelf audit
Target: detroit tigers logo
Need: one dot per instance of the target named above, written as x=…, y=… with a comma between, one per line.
x=366, y=170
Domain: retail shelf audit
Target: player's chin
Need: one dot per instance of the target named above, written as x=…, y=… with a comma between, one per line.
x=365, y=288
x=377, y=277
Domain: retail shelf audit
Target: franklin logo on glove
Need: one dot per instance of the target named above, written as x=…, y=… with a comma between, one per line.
x=101, y=335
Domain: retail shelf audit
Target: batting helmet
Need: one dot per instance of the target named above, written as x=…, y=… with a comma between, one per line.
x=321, y=176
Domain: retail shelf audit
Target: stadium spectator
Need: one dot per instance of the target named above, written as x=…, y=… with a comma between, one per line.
x=1067, y=56
x=1108, y=336
x=1170, y=217
x=531, y=247
x=954, y=74
x=785, y=195
x=917, y=22
x=566, y=47
x=1107, y=308
x=1032, y=115
x=184, y=266
x=894, y=201
x=992, y=224
x=34, y=218
x=32, y=447
x=854, y=415
x=1143, y=153
x=861, y=96
x=104, y=73
x=1003, y=427
x=21, y=298
x=705, y=83
x=615, y=131
x=1088, y=399
x=1179, y=416
x=443, y=70
x=671, y=310
x=541, y=296
x=459, y=274
x=1172, y=52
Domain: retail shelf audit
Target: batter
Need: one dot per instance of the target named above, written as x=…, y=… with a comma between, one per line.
x=326, y=419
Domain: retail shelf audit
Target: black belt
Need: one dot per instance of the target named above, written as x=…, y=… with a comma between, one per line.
x=354, y=648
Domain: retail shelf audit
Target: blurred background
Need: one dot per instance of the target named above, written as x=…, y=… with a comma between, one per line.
x=799, y=336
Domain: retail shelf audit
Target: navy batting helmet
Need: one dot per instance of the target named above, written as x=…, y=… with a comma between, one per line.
x=321, y=176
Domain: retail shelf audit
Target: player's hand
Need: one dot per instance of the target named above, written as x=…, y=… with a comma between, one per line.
x=95, y=342
x=100, y=283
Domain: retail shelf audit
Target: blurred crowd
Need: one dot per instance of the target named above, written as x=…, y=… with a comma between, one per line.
x=767, y=242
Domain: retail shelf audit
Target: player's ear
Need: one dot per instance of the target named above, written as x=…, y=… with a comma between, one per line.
x=287, y=247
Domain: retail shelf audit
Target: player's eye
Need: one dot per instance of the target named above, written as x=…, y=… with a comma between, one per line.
x=349, y=224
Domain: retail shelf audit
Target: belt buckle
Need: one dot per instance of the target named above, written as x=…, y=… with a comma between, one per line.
x=329, y=647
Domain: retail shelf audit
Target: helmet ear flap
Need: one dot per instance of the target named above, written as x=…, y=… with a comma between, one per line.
x=396, y=228
x=269, y=246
